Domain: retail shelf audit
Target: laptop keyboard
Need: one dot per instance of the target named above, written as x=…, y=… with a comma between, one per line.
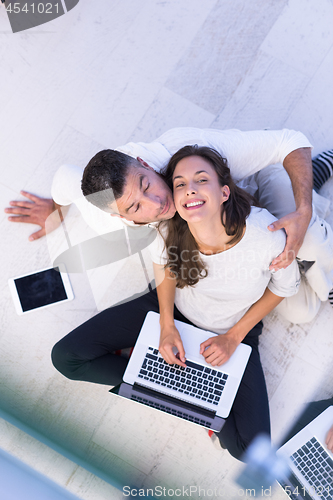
x=172, y=411
x=315, y=464
x=201, y=382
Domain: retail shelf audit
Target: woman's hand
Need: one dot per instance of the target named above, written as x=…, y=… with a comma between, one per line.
x=218, y=349
x=329, y=439
x=170, y=338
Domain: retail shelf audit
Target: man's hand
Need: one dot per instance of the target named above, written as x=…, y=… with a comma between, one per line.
x=170, y=338
x=295, y=226
x=35, y=211
x=218, y=349
x=329, y=439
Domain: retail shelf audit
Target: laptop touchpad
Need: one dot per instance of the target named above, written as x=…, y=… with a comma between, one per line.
x=192, y=338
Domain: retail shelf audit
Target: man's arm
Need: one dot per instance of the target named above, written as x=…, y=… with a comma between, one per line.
x=299, y=167
x=35, y=211
x=298, y=164
x=66, y=188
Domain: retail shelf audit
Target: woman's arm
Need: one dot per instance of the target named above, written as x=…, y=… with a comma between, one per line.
x=169, y=338
x=218, y=349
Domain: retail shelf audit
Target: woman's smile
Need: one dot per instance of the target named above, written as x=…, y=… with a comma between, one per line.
x=194, y=204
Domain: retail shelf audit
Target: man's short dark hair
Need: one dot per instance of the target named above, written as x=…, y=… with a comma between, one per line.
x=104, y=177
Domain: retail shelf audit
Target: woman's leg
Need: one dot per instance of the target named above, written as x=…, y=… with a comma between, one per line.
x=86, y=353
x=249, y=415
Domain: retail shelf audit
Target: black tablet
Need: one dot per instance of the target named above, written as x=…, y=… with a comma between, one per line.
x=40, y=289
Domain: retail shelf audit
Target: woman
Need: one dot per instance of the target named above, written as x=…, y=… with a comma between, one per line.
x=215, y=269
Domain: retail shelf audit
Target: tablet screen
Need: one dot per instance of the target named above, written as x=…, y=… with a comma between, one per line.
x=40, y=289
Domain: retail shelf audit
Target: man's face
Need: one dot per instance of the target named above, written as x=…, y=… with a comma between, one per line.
x=146, y=197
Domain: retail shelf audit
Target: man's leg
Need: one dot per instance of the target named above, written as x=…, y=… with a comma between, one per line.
x=275, y=194
x=322, y=166
x=302, y=307
x=249, y=415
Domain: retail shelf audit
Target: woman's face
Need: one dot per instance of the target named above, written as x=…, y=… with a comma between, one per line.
x=196, y=190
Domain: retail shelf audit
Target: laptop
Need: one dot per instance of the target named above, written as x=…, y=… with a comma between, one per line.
x=200, y=393
x=309, y=461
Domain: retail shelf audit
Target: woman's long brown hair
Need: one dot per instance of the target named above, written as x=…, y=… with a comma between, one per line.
x=183, y=254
